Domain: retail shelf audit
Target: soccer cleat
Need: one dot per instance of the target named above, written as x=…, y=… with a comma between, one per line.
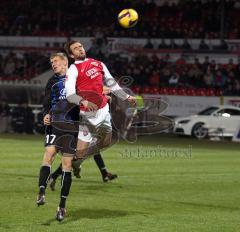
x=60, y=214
x=52, y=183
x=77, y=171
x=109, y=176
x=41, y=199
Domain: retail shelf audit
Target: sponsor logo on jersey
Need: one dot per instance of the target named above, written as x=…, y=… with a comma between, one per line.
x=62, y=94
x=92, y=73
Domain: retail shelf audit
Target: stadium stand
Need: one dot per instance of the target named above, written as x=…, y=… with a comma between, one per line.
x=147, y=71
x=159, y=19
x=177, y=48
x=22, y=65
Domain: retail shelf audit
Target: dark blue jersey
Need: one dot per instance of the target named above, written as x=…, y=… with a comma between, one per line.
x=58, y=92
x=55, y=101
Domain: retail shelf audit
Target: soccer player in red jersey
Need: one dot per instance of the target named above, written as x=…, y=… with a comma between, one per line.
x=84, y=84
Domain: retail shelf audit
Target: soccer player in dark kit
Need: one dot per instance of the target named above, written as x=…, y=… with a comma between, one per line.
x=60, y=140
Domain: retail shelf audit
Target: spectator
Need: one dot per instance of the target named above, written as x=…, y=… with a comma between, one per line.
x=208, y=78
x=213, y=65
x=219, y=79
x=195, y=76
x=186, y=45
x=9, y=65
x=173, y=45
x=99, y=49
x=197, y=63
x=230, y=66
x=163, y=44
x=154, y=79
x=203, y=46
x=149, y=44
x=223, y=45
x=206, y=64
x=173, y=80
x=181, y=60
x=228, y=91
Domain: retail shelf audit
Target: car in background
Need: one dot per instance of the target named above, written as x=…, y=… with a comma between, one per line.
x=222, y=120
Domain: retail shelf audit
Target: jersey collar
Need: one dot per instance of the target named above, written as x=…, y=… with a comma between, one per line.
x=80, y=61
x=59, y=76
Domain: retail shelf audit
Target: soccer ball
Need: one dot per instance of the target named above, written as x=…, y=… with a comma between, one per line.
x=128, y=18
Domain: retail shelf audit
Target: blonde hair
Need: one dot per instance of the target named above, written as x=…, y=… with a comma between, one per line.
x=62, y=55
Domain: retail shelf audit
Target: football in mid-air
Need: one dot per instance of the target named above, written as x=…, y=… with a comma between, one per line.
x=128, y=18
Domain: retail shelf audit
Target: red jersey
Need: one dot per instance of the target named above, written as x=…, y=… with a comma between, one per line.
x=84, y=81
x=89, y=84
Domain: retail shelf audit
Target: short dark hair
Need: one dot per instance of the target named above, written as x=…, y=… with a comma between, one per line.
x=68, y=44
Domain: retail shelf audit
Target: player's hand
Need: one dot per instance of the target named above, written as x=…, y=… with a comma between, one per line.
x=108, y=98
x=106, y=90
x=132, y=100
x=46, y=119
x=89, y=105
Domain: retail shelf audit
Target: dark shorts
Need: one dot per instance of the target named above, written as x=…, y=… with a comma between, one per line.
x=65, y=142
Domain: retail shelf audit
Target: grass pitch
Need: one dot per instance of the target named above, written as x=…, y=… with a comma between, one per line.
x=172, y=188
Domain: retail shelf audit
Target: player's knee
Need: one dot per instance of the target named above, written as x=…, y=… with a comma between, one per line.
x=67, y=164
x=80, y=153
x=82, y=147
x=47, y=162
x=67, y=167
x=48, y=158
x=106, y=142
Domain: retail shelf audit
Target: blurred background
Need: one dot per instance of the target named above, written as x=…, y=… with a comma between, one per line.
x=184, y=52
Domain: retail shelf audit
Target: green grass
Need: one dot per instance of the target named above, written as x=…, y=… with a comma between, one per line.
x=161, y=193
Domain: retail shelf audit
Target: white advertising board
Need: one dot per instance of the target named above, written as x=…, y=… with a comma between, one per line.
x=181, y=105
x=235, y=101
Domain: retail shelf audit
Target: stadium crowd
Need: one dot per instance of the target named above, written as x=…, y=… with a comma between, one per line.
x=178, y=19
x=147, y=72
x=153, y=74
x=22, y=66
x=171, y=19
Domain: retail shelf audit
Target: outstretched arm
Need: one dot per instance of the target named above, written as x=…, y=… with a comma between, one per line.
x=115, y=88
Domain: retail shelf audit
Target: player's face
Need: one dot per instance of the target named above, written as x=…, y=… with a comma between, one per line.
x=78, y=51
x=59, y=65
